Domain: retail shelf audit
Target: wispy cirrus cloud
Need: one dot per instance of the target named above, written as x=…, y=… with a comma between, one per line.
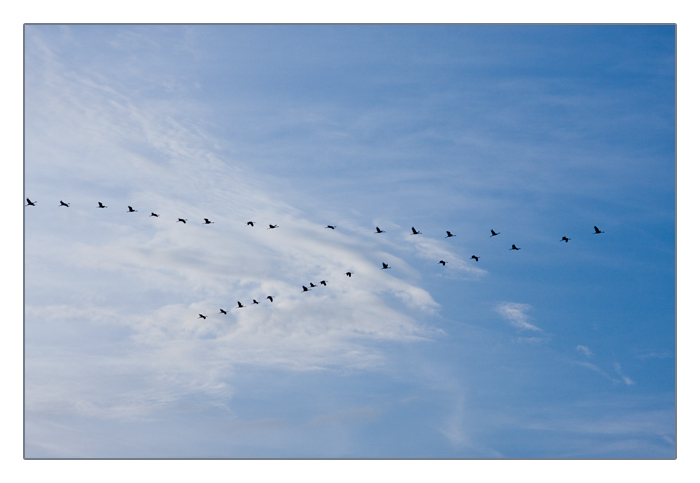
x=626, y=379
x=131, y=150
x=434, y=249
x=584, y=350
x=515, y=314
x=616, y=366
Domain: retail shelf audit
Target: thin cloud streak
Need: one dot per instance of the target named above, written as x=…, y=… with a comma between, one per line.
x=515, y=314
x=597, y=369
x=585, y=350
x=618, y=369
x=435, y=250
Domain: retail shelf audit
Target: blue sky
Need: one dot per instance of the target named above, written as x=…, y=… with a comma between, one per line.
x=559, y=350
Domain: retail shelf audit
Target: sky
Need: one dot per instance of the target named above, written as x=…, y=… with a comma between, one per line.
x=557, y=350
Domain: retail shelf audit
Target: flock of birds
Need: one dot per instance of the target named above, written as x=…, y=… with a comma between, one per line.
x=385, y=266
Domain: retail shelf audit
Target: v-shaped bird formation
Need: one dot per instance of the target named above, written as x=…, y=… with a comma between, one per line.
x=349, y=274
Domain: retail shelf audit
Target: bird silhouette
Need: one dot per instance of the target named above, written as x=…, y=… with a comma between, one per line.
x=63, y=203
x=514, y=247
x=323, y=282
x=255, y=301
x=449, y=234
x=331, y=227
x=312, y=285
x=181, y=220
x=597, y=231
x=30, y=202
x=305, y=289
x=380, y=231
x=565, y=239
x=273, y=226
x=240, y=305
x=100, y=205
x=250, y=223
x=154, y=214
x=385, y=266
x=131, y=210
x=207, y=222
x=415, y=232
x=493, y=233
x=349, y=274
x=202, y=316
x=443, y=262
x=223, y=311
x=270, y=297
x=476, y=258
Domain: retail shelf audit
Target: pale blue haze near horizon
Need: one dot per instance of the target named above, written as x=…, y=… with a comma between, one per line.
x=558, y=350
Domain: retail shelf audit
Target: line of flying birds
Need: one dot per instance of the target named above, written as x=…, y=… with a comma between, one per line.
x=385, y=266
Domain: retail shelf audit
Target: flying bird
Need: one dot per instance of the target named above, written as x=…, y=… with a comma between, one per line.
x=323, y=282
x=181, y=220
x=565, y=239
x=255, y=301
x=597, y=231
x=380, y=231
x=331, y=227
x=349, y=274
x=131, y=210
x=270, y=297
x=202, y=316
x=476, y=258
x=207, y=222
x=514, y=247
x=273, y=226
x=312, y=285
x=415, y=232
x=223, y=311
x=240, y=305
x=385, y=266
x=63, y=203
x=30, y=202
x=493, y=233
x=100, y=205
x=250, y=223
x=305, y=289
x=443, y=262
x=449, y=234
x=154, y=214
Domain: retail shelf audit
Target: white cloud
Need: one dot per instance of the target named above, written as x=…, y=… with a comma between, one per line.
x=515, y=314
x=597, y=369
x=585, y=350
x=91, y=138
x=436, y=250
x=626, y=379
